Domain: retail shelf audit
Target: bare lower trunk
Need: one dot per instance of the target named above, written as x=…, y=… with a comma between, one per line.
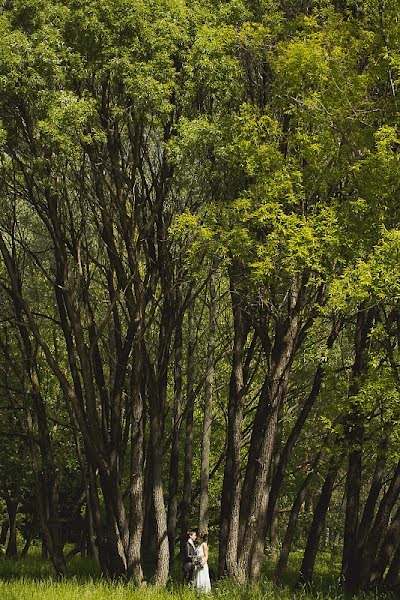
x=284, y=455
x=28, y=541
x=100, y=533
x=386, y=551
x=392, y=575
x=91, y=547
x=232, y=474
x=294, y=513
x=173, y=482
x=207, y=417
x=49, y=530
x=354, y=433
x=161, y=575
x=254, y=539
x=12, y=506
x=136, y=490
x=3, y=532
x=317, y=526
x=188, y=452
x=378, y=530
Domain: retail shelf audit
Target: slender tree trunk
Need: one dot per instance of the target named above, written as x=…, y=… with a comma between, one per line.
x=232, y=476
x=136, y=490
x=350, y=566
x=45, y=475
x=279, y=472
x=91, y=536
x=392, y=575
x=12, y=506
x=149, y=552
x=161, y=574
x=294, y=513
x=91, y=546
x=3, y=533
x=317, y=526
x=354, y=433
x=252, y=548
x=373, y=495
x=188, y=452
x=101, y=538
x=28, y=541
x=386, y=551
x=157, y=405
x=49, y=540
x=207, y=417
x=378, y=530
x=173, y=482
x=116, y=528
x=273, y=527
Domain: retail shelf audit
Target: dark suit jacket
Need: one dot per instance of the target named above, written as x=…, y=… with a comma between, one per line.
x=190, y=552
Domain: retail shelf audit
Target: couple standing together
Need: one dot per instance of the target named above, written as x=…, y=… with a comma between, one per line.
x=196, y=562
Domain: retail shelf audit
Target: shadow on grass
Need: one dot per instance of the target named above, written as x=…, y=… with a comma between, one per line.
x=34, y=567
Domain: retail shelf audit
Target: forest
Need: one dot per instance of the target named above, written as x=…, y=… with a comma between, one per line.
x=200, y=286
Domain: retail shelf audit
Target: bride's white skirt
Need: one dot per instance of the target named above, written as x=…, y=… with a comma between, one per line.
x=202, y=579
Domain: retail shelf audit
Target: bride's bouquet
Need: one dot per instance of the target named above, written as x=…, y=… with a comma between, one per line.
x=197, y=562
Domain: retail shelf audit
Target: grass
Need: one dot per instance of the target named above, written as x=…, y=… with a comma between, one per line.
x=32, y=578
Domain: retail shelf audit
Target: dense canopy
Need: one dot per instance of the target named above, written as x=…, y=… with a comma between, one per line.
x=200, y=284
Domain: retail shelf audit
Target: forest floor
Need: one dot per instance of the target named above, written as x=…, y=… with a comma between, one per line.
x=32, y=578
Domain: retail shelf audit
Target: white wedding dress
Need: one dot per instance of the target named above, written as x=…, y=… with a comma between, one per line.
x=202, y=575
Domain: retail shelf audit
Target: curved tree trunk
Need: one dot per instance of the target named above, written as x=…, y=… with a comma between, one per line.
x=294, y=513
x=386, y=551
x=392, y=575
x=317, y=525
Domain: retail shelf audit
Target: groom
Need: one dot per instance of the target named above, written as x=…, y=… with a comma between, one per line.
x=188, y=560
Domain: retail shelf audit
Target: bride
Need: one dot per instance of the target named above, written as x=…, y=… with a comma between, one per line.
x=202, y=575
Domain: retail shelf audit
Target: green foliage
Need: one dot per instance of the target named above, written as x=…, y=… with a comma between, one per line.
x=261, y=136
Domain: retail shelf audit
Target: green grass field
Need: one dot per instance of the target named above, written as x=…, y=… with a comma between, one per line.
x=32, y=579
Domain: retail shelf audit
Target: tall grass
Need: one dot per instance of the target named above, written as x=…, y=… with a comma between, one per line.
x=32, y=578
x=28, y=589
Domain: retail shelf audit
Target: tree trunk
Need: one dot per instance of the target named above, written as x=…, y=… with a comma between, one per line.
x=378, y=530
x=149, y=552
x=392, y=575
x=3, y=532
x=207, y=417
x=279, y=472
x=188, y=452
x=386, y=551
x=354, y=433
x=173, y=481
x=101, y=538
x=317, y=526
x=12, y=506
x=373, y=495
x=294, y=513
x=232, y=483
x=28, y=541
x=157, y=405
x=136, y=489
